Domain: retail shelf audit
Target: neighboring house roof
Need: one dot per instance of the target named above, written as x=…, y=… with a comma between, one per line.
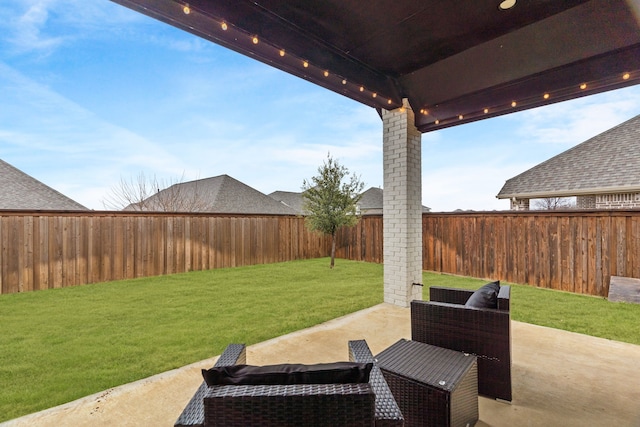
x=606, y=163
x=219, y=194
x=370, y=203
x=21, y=191
x=289, y=198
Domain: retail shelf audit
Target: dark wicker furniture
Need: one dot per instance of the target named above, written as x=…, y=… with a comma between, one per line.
x=193, y=414
x=387, y=413
x=278, y=405
x=434, y=386
x=486, y=333
x=290, y=405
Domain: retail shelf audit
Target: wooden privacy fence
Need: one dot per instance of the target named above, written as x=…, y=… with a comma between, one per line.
x=46, y=250
x=575, y=251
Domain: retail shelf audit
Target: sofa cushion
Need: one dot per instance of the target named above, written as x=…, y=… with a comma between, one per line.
x=324, y=373
x=485, y=297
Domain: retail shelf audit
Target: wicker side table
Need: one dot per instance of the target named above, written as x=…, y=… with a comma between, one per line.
x=432, y=385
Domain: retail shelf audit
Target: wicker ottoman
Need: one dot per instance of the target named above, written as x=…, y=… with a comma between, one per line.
x=433, y=386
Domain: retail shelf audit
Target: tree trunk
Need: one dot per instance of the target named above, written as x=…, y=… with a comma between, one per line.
x=333, y=249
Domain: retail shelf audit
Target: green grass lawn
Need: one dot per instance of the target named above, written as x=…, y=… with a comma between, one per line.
x=62, y=344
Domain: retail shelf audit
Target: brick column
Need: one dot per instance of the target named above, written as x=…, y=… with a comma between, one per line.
x=402, y=207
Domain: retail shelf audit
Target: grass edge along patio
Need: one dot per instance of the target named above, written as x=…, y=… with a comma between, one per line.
x=59, y=345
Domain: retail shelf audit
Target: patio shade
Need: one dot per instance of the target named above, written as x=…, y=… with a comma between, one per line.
x=455, y=61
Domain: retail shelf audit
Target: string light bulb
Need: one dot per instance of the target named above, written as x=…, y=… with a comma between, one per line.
x=507, y=4
x=255, y=39
x=525, y=102
x=326, y=73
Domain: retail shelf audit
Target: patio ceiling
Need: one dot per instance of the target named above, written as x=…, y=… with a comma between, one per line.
x=455, y=61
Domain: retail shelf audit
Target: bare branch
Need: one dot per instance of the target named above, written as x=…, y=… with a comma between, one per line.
x=553, y=203
x=150, y=194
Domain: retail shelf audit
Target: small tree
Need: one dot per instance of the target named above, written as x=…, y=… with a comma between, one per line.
x=330, y=203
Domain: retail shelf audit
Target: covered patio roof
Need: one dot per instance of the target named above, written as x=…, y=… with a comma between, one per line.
x=456, y=61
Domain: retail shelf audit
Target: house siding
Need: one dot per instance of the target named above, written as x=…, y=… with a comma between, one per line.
x=618, y=201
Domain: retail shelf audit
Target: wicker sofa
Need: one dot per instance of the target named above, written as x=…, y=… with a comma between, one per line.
x=193, y=413
x=387, y=411
x=446, y=322
x=345, y=404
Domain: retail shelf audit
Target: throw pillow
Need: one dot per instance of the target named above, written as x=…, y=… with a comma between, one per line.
x=485, y=297
x=285, y=374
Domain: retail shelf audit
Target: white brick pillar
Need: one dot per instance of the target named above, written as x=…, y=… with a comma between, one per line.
x=402, y=207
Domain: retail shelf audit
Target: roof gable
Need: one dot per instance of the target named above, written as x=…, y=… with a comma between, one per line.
x=21, y=191
x=219, y=194
x=607, y=163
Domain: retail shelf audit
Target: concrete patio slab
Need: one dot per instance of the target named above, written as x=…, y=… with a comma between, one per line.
x=559, y=378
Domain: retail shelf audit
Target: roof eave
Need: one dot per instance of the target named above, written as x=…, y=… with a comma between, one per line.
x=571, y=193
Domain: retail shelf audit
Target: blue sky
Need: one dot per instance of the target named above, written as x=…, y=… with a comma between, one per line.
x=91, y=92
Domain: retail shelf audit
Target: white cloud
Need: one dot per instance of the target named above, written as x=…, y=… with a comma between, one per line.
x=65, y=146
x=570, y=123
x=43, y=26
x=27, y=29
x=466, y=185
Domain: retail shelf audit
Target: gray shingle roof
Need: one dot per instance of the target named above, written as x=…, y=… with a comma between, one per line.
x=21, y=191
x=221, y=194
x=370, y=203
x=289, y=198
x=606, y=163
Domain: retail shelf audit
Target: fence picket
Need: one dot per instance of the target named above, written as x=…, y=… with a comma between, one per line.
x=570, y=250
